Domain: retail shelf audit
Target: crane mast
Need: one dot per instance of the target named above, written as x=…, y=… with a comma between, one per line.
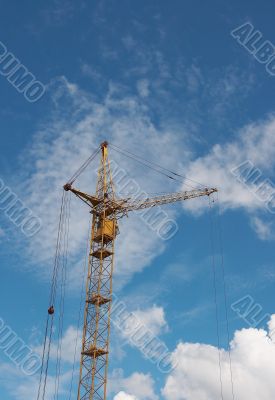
x=105, y=210
x=96, y=329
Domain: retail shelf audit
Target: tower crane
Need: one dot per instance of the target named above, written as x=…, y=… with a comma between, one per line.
x=106, y=209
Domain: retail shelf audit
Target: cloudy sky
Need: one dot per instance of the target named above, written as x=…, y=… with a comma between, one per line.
x=178, y=83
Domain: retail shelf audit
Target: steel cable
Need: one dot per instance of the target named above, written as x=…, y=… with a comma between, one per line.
x=151, y=165
x=83, y=167
x=215, y=295
x=64, y=260
x=58, y=257
x=225, y=297
x=52, y=298
x=80, y=309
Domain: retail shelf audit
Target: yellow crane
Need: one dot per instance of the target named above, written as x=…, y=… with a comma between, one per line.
x=106, y=209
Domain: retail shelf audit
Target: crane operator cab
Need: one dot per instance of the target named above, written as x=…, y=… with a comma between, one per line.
x=107, y=230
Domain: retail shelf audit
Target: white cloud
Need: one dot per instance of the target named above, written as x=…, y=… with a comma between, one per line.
x=194, y=78
x=254, y=145
x=91, y=72
x=124, y=396
x=271, y=327
x=134, y=328
x=263, y=228
x=2, y=232
x=139, y=386
x=196, y=373
x=151, y=321
x=143, y=87
x=153, y=318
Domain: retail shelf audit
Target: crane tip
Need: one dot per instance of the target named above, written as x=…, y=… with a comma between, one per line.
x=104, y=144
x=67, y=187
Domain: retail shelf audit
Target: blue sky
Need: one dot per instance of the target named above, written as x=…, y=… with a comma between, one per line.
x=168, y=81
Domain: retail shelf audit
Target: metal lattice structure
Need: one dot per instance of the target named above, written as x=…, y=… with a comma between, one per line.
x=96, y=331
x=106, y=209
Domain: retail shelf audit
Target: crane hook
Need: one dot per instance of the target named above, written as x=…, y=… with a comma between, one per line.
x=51, y=310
